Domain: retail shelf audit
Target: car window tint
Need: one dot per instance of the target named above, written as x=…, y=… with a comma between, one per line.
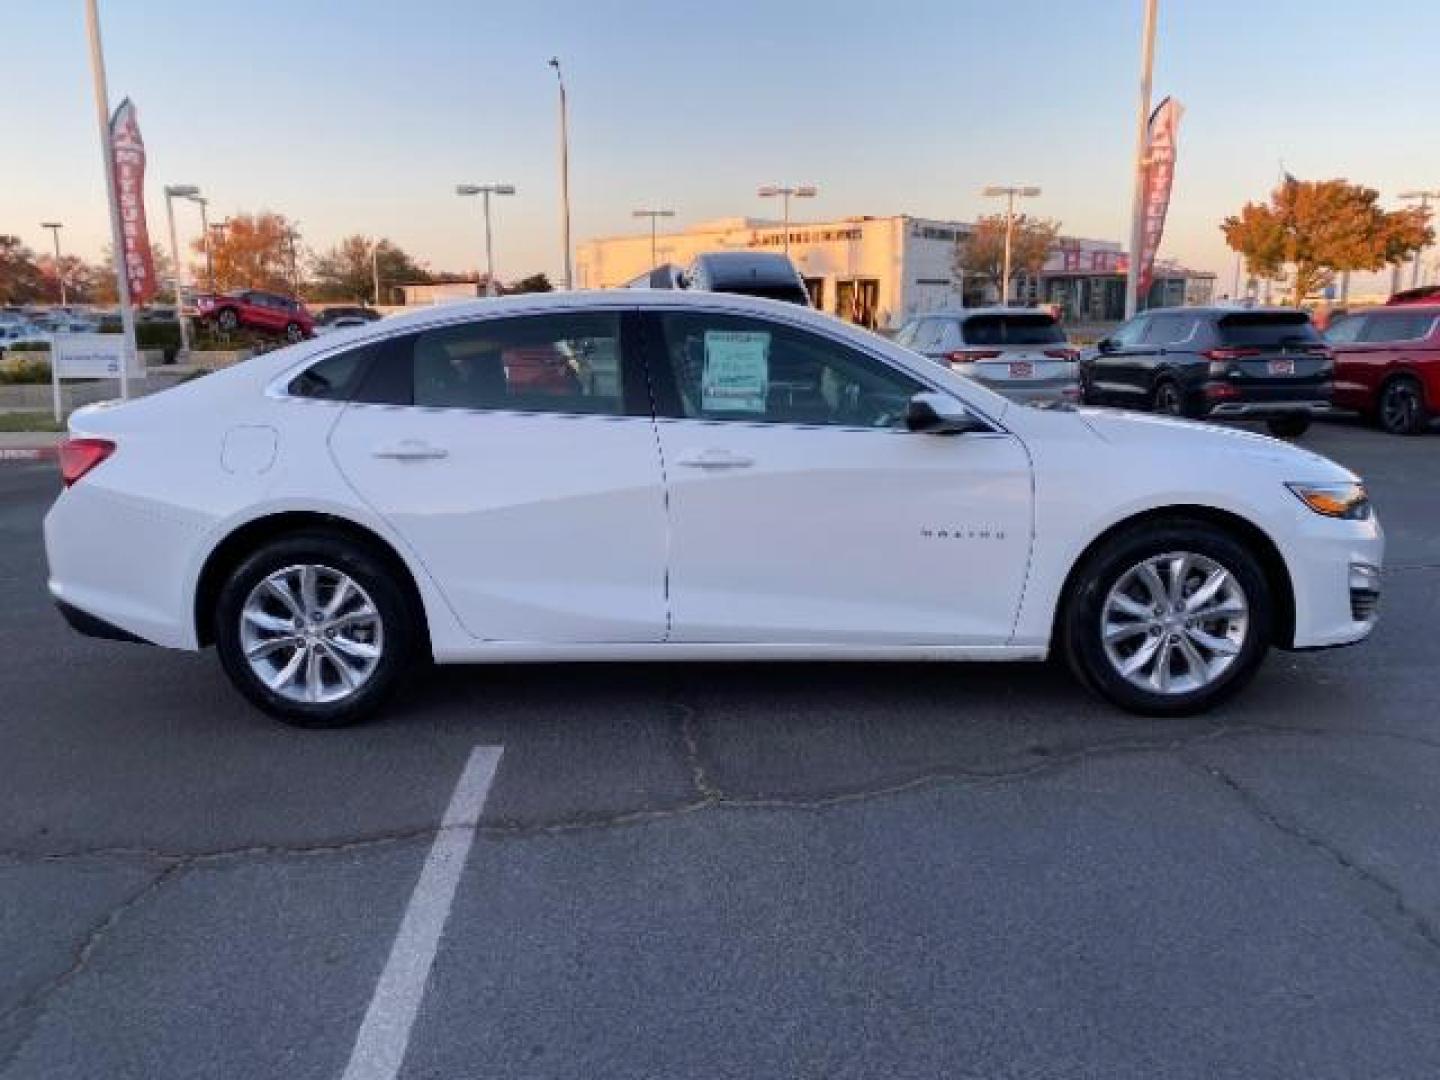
x=1267, y=328
x=1397, y=326
x=1345, y=329
x=1019, y=328
x=1160, y=330
x=906, y=335
x=1131, y=333
x=568, y=363
x=730, y=367
x=334, y=378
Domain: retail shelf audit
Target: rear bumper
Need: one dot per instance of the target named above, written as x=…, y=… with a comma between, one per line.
x=1260, y=410
x=1028, y=392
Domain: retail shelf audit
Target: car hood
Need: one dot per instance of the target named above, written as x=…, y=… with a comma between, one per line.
x=1147, y=433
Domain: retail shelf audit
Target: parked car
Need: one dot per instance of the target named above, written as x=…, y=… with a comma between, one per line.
x=265, y=311
x=1425, y=294
x=1217, y=363
x=664, y=276
x=326, y=515
x=353, y=315
x=344, y=322
x=1017, y=352
x=1387, y=365
x=749, y=273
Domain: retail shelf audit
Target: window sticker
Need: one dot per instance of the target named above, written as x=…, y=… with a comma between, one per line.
x=737, y=371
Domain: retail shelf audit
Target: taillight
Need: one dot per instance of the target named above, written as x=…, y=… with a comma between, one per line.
x=969, y=356
x=79, y=456
x=1224, y=355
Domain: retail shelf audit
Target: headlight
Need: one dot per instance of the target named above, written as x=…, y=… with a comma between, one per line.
x=1348, y=501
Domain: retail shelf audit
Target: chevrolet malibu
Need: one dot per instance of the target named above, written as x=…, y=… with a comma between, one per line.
x=685, y=476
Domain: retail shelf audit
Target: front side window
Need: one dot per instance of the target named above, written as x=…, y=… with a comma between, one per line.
x=1345, y=330
x=1130, y=334
x=731, y=367
x=568, y=363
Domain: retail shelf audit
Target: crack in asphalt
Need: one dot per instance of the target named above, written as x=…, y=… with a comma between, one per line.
x=1417, y=923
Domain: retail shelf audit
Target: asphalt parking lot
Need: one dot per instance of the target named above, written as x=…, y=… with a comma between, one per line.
x=725, y=871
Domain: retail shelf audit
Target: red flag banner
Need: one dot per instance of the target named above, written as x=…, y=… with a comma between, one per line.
x=129, y=152
x=1159, y=176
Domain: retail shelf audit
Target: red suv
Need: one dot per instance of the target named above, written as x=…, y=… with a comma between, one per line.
x=1387, y=365
x=269, y=312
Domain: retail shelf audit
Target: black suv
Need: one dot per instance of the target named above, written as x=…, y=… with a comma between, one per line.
x=1266, y=364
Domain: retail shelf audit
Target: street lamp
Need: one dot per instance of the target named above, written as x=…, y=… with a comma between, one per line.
x=1423, y=198
x=654, y=216
x=173, y=192
x=203, y=203
x=798, y=191
x=1010, y=194
x=485, y=191
x=55, y=227
x=564, y=171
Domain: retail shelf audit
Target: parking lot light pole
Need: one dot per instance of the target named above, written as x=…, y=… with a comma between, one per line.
x=1137, y=201
x=564, y=172
x=107, y=153
x=485, y=191
x=55, y=227
x=654, y=216
x=203, y=203
x=173, y=192
x=1423, y=198
x=786, y=193
x=1010, y=194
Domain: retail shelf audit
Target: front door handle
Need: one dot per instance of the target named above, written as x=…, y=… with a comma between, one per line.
x=410, y=450
x=714, y=459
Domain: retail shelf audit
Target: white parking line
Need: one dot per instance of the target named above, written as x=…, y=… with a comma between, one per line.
x=385, y=1033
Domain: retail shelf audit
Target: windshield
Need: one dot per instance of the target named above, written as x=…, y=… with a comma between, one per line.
x=1021, y=328
x=1268, y=328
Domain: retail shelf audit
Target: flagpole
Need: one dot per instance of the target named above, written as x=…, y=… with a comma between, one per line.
x=117, y=233
x=1137, y=204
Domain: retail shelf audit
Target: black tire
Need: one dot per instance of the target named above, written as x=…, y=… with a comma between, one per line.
x=1288, y=427
x=400, y=643
x=1401, y=406
x=293, y=333
x=228, y=320
x=1167, y=399
x=1081, y=621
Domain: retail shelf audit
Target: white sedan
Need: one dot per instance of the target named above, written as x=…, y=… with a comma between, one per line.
x=641, y=475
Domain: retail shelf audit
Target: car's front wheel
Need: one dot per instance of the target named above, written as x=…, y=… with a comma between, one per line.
x=293, y=333
x=314, y=629
x=1168, y=618
x=228, y=320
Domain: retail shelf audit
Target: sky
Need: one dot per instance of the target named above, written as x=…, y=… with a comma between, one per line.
x=361, y=116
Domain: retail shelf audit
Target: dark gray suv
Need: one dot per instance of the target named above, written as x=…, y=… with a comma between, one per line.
x=1266, y=364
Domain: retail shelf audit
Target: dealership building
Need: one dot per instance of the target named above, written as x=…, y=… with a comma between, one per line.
x=877, y=271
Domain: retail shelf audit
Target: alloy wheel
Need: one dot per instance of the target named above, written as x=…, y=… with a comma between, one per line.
x=311, y=633
x=1174, y=623
x=1399, y=406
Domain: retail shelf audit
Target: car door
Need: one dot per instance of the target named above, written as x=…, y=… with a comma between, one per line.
x=1354, y=379
x=801, y=510
x=1113, y=369
x=517, y=457
x=1389, y=341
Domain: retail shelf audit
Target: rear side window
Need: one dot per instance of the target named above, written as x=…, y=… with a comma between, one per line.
x=565, y=363
x=335, y=378
x=1397, y=326
x=1266, y=329
x=1021, y=328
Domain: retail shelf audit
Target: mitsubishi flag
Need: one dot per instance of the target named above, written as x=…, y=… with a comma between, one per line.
x=1159, y=175
x=129, y=155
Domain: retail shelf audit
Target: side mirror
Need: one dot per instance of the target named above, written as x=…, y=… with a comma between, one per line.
x=937, y=414
x=1106, y=345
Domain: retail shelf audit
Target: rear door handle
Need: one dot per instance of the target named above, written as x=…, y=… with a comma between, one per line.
x=714, y=459
x=410, y=450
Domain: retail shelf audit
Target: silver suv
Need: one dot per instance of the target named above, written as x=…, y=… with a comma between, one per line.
x=1018, y=352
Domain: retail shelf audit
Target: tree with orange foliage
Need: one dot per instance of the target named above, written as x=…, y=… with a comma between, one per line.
x=1322, y=228
x=254, y=251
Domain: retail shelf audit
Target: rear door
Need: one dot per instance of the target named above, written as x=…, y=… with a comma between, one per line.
x=1273, y=356
x=517, y=458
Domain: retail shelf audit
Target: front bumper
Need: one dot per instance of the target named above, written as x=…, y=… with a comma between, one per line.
x=1335, y=568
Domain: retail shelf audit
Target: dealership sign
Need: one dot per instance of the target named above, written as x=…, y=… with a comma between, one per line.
x=92, y=356
x=1159, y=176
x=129, y=152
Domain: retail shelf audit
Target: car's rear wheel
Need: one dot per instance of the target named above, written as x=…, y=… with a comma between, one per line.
x=1168, y=618
x=1288, y=427
x=313, y=629
x=293, y=333
x=228, y=320
x=1402, y=407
